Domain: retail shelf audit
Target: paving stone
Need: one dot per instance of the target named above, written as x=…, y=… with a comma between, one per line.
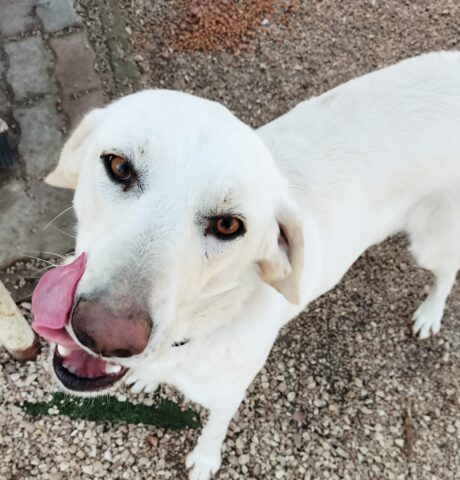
x=24, y=219
x=57, y=14
x=75, y=108
x=3, y=98
x=28, y=63
x=17, y=214
x=75, y=64
x=41, y=137
x=17, y=16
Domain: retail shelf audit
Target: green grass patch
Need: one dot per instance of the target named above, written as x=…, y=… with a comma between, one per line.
x=164, y=413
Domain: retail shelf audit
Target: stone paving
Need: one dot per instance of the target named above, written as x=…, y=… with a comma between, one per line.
x=48, y=80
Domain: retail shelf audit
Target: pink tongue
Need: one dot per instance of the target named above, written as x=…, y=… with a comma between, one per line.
x=52, y=301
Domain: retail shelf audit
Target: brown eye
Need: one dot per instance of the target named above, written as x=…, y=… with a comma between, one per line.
x=120, y=168
x=227, y=227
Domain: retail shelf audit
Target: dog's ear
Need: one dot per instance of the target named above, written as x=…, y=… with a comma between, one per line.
x=65, y=175
x=283, y=264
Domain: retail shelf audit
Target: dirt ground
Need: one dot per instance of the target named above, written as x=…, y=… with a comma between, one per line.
x=347, y=392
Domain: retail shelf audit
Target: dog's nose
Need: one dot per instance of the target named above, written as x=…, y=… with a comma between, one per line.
x=121, y=332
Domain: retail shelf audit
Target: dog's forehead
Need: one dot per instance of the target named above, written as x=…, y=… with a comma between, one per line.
x=175, y=115
x=168, y=126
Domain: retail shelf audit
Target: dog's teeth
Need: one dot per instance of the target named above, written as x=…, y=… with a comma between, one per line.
x=71, y=369
x=63, y=351
x=111, y=368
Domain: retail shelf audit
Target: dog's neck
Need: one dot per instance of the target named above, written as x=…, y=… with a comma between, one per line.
x=225, y=308
x=331, y=198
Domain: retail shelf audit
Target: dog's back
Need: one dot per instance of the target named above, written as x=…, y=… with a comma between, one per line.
x=377, y=155
x=402, y=119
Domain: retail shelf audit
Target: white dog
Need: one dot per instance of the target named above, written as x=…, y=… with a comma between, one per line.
x=199, y=238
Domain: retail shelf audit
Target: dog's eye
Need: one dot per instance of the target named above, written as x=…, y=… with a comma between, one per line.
x=226, y=227
x=118, y=168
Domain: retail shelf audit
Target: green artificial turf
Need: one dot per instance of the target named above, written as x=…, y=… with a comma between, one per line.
x=164, y=413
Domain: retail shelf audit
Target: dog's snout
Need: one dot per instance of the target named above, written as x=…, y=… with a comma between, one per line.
x=121, y=332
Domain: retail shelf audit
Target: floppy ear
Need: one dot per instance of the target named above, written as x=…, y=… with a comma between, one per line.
x=65, y=175
x=283, y=266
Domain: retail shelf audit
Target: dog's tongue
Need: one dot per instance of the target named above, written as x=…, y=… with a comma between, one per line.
x=52, y=301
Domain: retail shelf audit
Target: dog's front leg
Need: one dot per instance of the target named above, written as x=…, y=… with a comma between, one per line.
x=205, y=459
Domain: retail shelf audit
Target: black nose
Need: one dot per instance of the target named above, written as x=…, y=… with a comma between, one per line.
x=121, y=332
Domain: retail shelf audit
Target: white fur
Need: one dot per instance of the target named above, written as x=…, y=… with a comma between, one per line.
x=340, y=172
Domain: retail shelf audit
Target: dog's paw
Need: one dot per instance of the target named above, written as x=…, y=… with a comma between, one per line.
x=203, y=462
x=427, y=320
x=138, y=382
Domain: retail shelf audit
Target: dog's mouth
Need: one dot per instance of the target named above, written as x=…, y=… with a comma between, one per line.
x=79, y=371
x=52, y=303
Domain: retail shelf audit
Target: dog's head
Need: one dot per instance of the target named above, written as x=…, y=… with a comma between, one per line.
x=182, y=214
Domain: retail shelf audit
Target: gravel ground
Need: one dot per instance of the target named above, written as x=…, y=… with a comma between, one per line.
x=347, y=392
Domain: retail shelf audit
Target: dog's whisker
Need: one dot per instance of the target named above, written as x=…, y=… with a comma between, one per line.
x=47, y=267
x=41, y=260
x=64, y=233
x=48, y=253
x=57, y=216
x=24, y=299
